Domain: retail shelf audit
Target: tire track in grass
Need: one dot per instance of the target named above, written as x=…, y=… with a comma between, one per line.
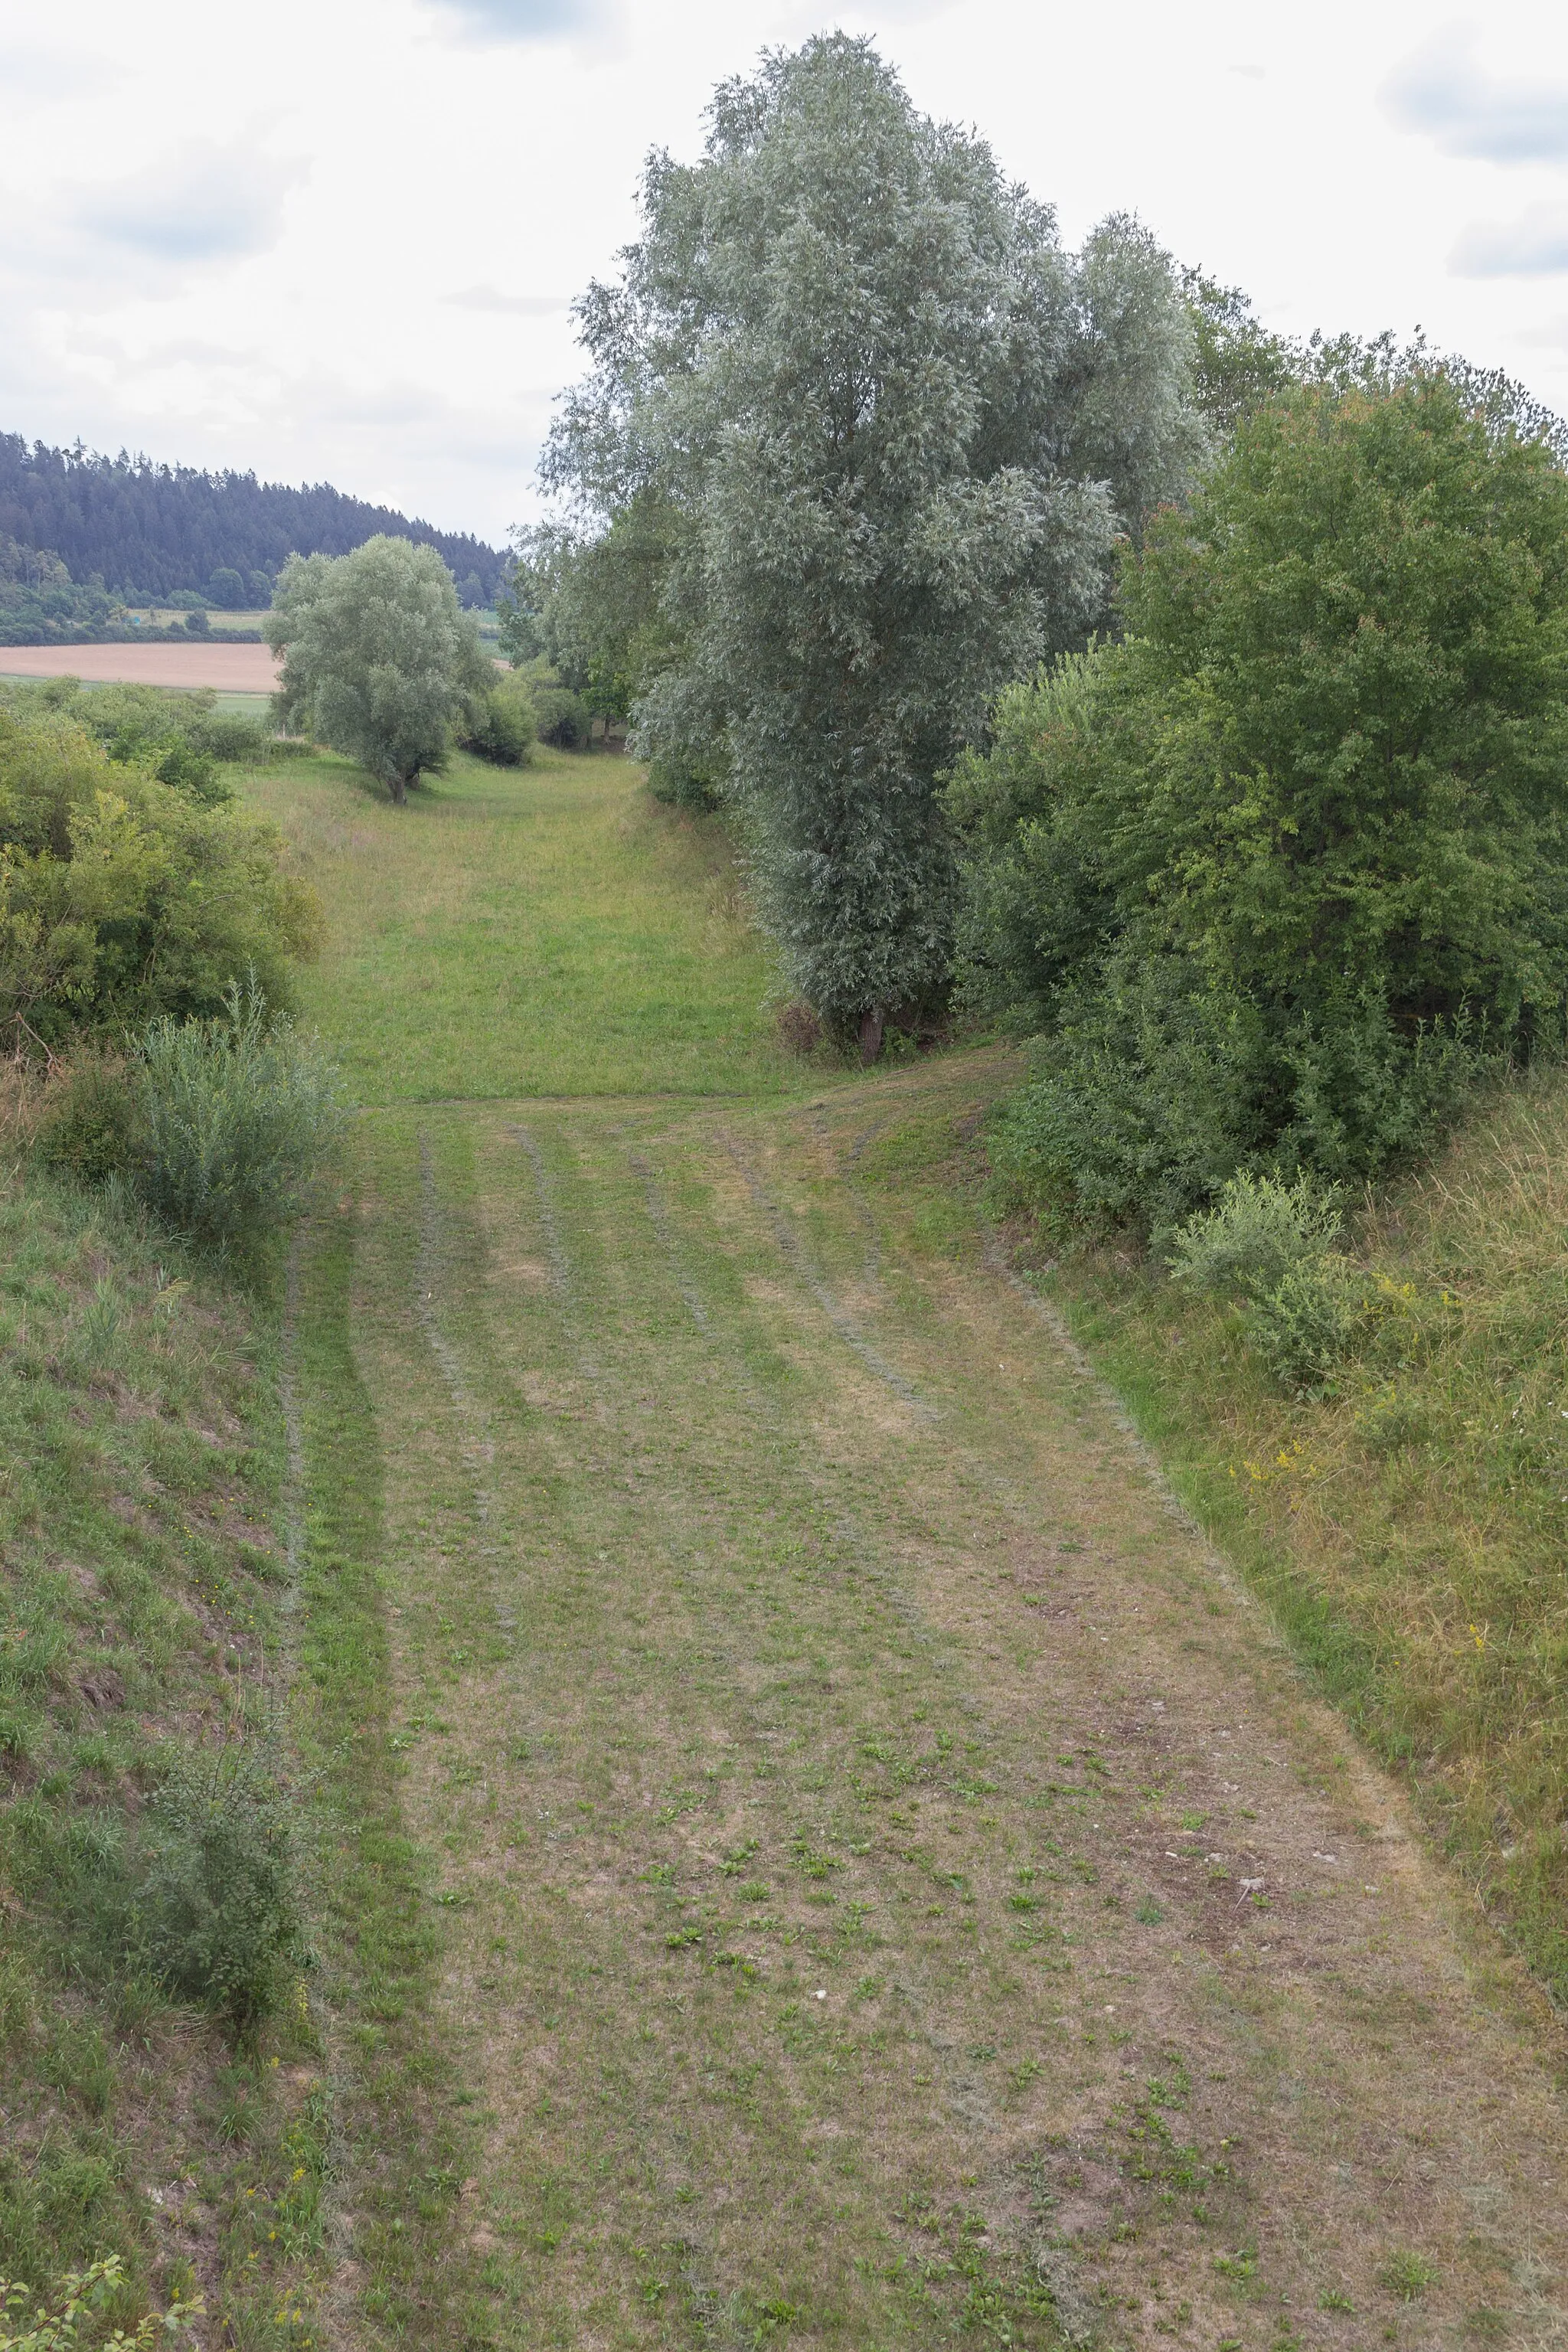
x=407, y=2282
x=770, y=1645
x=1138, y=1446
x=478, y=1446
x=556, y=1253
x=938, y=2044
x=965, y=2095
x=871, y=1267
x=988, y=1478
x=837, y=1315
x=1272, y=1714
x=659, y=1217
x=476, y=1432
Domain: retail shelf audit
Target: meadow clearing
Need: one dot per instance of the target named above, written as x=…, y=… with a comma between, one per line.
x=826, y=1850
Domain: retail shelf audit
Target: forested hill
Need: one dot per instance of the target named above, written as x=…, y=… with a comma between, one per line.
x=148, y=531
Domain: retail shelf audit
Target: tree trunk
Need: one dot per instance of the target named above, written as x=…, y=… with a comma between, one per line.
x=871, y=1032
x=398, y=788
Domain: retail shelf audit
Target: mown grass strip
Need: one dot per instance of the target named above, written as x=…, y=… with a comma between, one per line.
x=405, y=2140
x=536, y=931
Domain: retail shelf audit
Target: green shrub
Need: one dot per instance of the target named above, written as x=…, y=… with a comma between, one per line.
x=1257, y=1232
x=685, y=783
x=195, y=773
x=1305, y=1323
x=216, y=1907
x=561, y=716
x=239, y=1113
x=1284, y=868
x=91, y=1126
x=1142, y=1099
x=503, y=727
x=122, y=898
x=83, y=2312
x=1270, y=1245
x=225, y=735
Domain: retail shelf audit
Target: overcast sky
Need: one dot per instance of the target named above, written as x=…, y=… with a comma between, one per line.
x=336, y=239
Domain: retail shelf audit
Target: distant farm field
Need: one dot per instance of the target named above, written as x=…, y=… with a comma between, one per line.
x=164, y=617
x=230, y=669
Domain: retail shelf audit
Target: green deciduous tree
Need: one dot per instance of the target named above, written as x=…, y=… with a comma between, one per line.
x=378, y=660
x=1272, y=869
x=891, y=431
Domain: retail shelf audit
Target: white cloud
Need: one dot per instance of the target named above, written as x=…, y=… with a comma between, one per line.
x=1534, y=245
x=42, y=73
x=1445, y=92
x=199, y=203
x=527, y=20
x=517, y=306
x=386, y=307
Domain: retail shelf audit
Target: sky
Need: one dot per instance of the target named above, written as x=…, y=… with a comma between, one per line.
x=337, y=240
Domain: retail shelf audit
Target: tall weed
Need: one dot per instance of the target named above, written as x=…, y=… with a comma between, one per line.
x=240, y=1114
x=1270, y=1246
x=217, y=1908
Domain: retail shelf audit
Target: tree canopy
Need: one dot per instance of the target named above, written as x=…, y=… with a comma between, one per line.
x=378, y=660
x=862, y=435
x=1274, y=868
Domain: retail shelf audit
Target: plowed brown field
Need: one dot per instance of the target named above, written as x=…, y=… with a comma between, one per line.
x=228, y=669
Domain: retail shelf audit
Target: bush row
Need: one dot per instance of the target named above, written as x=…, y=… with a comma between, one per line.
x=524, y=707
x=1278, y=874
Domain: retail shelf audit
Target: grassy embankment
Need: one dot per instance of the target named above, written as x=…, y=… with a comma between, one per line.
x=144, y=1602
x=1410, y=1530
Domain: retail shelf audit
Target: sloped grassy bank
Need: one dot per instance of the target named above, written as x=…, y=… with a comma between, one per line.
x=139, y=1623
x=1410, y=1527
x=153, y=1624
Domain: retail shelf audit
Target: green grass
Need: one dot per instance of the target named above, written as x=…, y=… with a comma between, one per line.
x=774, y=1629
x=780, y=1881
x=1410, y=1530
x=141, y=1601
x=545, y=930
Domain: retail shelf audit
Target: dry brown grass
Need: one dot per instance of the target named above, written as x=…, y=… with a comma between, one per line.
x=1413, y=1528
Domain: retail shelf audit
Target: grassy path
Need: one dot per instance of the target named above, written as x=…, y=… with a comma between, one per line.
x=887, y=1885
x=542, y=930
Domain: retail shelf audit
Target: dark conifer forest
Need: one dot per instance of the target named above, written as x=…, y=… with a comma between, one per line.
x=149, y=532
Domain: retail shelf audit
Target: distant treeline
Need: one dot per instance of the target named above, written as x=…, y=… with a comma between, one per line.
x=41, y=604
x=147, y=531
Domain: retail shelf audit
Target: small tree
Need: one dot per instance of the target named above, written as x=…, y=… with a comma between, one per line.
x=378, y=660
x=888, y=432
